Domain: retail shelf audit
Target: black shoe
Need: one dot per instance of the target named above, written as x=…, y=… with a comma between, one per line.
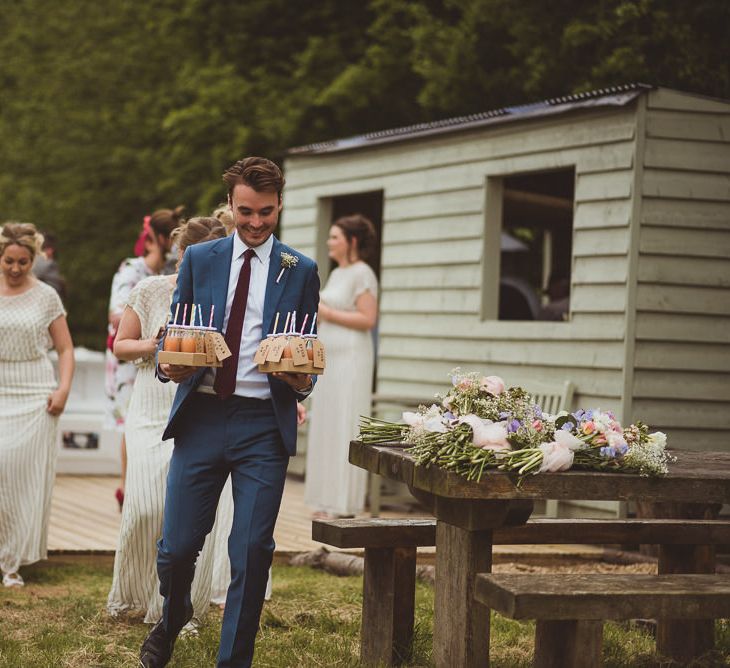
x=157, y=648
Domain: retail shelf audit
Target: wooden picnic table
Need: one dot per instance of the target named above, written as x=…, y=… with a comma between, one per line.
x=467, y=512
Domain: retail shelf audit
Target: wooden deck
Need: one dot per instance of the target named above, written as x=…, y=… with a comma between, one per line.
x=85, y=518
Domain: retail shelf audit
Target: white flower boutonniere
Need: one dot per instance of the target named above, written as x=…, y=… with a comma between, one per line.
x=288, y=261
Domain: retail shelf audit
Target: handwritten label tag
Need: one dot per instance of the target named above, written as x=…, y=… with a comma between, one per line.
x=262, y=351
x=199, y=342
x=219, y=347
x=318, y=350
x=209, y=348
x=276, y=349
x=298, y=351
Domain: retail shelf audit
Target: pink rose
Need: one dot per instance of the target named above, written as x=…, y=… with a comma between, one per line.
x=537, y=425
x=465, y=384
x=555, y=457
x=492, y=384
x=485, y=434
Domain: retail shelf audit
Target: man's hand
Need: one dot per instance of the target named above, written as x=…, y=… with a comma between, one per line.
x=177, y=372
x=300, y=382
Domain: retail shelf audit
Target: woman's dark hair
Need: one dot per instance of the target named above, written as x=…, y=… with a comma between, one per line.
x=358, y=227
x=164, y=221
x=197, y=230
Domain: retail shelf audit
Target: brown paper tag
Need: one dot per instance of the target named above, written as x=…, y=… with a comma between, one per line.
x=318, y=350
x=262, y=351
x=199, y=343
x=219, y=347
x=298, y=351
x=210, y=347
x=276, y=349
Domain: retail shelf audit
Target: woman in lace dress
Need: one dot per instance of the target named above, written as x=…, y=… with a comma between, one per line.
x=348, y=310
x=151, y=248
x=33, y=320
x=135, y=584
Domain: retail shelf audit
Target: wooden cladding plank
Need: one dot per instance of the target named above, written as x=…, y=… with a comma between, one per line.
x=664, y=98
x=673, y=384
x=688, y=125
x=602, y=214
x=683, y=413
x=685, y=242
x=604, y=185
x=686, y=185
x=589, y=327
x=598, y=298
x=682, y=299
x=672, y=270
x=680, y=355
x=613, y=241
x=693, y=438
x=397, y=374
x=599, y=269
x=687, y=155
x=540, y=143
x=432, y=252
x=460, y=202
x=426, y=301
x=304, y=216
x=594, y=354
x=685, y=213
x=434, y=228
x=685, y=327
x=429, y=276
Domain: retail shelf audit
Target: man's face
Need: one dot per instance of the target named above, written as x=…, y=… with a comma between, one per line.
x=255, y=214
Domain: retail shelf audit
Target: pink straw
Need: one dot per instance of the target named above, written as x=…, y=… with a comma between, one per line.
x=185, y=314
x=304, y=324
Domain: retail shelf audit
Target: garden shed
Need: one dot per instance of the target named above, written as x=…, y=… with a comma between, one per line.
x=584, y=238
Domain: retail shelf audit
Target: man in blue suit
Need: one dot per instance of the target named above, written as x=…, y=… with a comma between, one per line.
x=233, y=420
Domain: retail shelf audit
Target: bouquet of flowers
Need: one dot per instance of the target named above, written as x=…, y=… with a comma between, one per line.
x=481, y=424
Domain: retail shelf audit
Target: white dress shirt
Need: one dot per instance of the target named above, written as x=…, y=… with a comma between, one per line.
x=249, y=382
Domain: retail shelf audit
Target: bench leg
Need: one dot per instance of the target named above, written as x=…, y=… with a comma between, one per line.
x=389, y=589
x=568, y=643
x=685, y=639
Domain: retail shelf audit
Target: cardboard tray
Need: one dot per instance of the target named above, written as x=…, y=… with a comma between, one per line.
x=287, y=364
x=186, y=359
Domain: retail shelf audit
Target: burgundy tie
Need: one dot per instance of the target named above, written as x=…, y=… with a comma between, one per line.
x=225, y=377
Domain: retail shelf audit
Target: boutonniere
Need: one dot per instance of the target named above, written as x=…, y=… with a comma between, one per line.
x=288, y=261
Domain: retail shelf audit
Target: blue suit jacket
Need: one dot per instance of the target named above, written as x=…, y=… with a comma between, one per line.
x=203, y=279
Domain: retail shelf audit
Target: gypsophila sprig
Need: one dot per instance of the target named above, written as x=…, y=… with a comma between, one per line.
x=288, y=261
x=481, y=424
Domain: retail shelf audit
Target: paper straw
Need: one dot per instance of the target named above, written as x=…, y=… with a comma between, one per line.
x=276, y=322
x=314, y=319
x=293, y=329
x=177, y=310
x=212, y=308
x=185, y=314
x=200, y=315
x=304, y=324
x=286, y=324
x=192, y=315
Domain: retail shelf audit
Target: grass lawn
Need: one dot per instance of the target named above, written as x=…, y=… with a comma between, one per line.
x=59, y=620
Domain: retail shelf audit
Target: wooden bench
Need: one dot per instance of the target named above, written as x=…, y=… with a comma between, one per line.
x=390, y=561
x=569, y=609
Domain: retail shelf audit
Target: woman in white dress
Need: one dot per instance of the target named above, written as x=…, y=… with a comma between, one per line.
x=348, y=311
x=151, y=249
x=32, y=321
x=135, y=584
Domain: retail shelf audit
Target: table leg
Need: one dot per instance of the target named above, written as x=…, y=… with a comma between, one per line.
x=685, y=639
x=461, y=625
x=568, y=643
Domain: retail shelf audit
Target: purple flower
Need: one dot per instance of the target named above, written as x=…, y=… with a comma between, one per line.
x=513, y=426
x=607, y=451
x=449, y=415
x=568, y=426
x=537, y=411
x=503, y=415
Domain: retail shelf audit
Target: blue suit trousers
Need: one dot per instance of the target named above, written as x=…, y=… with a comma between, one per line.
x=239, y=436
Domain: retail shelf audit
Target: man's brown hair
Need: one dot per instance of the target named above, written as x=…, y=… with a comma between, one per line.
x=258, y=173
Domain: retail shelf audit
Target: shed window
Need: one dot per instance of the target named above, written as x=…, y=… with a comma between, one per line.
x=535, y=235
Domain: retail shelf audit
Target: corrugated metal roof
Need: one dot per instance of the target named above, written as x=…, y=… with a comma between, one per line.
x=615, y=96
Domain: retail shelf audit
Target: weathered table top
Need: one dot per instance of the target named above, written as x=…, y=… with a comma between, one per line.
x=694, y=477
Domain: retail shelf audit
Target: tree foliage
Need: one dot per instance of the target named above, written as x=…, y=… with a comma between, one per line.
x=111, y=110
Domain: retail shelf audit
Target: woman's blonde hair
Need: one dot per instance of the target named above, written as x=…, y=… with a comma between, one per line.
x=196, y=230
x=21, y=234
